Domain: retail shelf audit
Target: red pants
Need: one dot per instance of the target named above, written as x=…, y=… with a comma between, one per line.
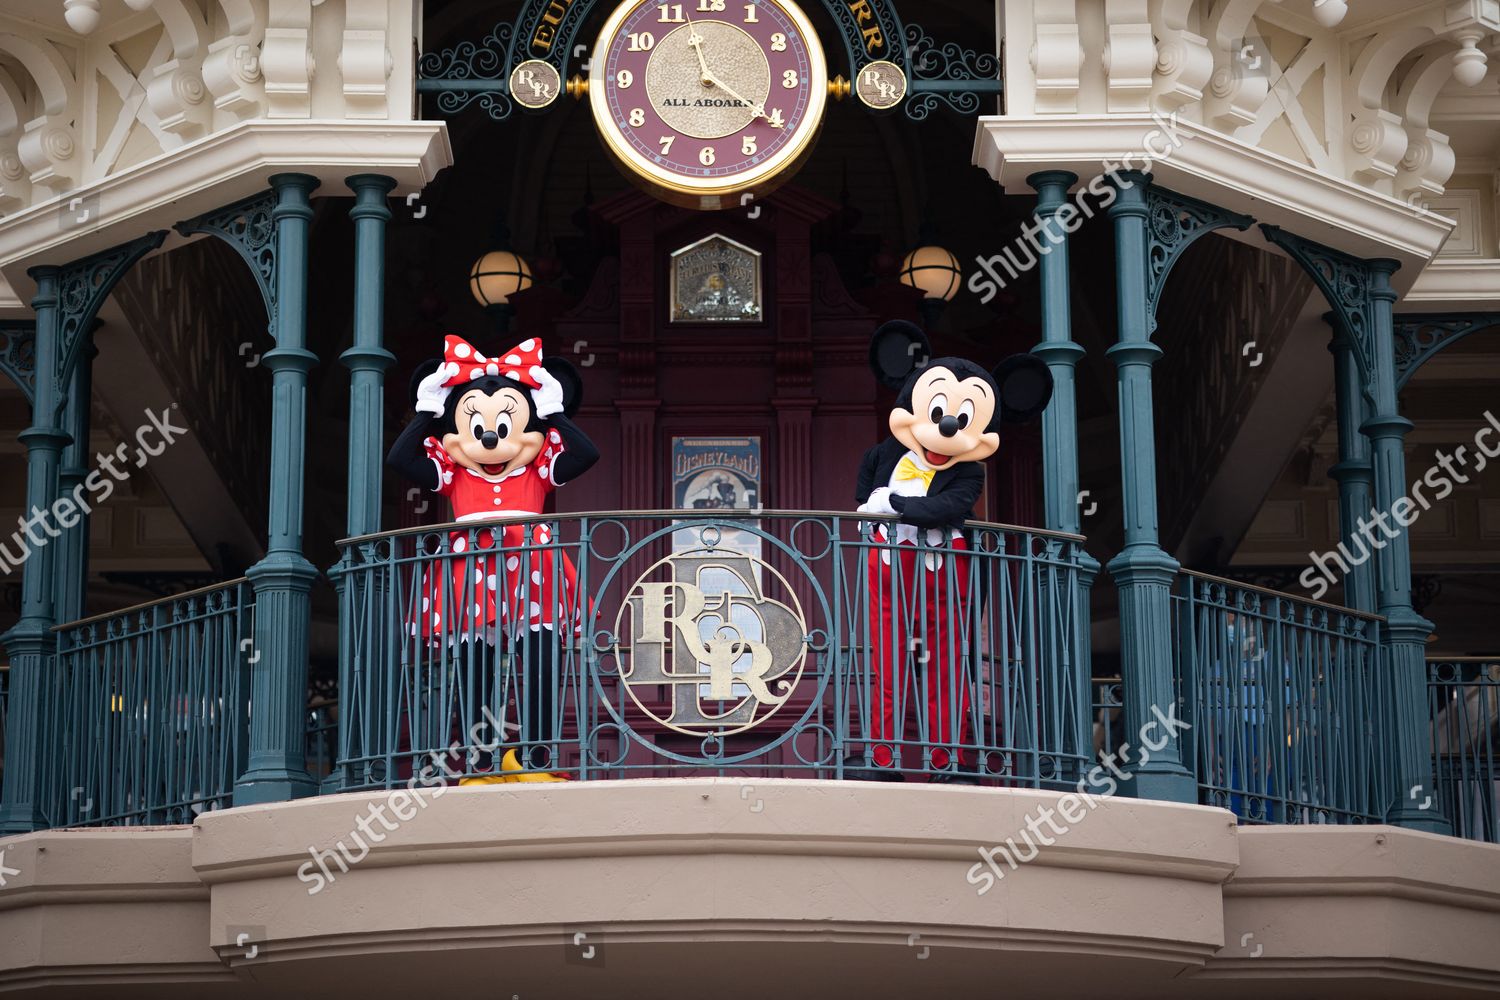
x=915, y=632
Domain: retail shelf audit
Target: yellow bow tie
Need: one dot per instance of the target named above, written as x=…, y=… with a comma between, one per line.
x=909, y=469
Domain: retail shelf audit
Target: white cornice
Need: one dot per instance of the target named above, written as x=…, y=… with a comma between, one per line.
x=1456, y=286
x=1215, y=168
x=214, y=171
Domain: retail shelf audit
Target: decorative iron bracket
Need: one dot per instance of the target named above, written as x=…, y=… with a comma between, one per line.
x=947, y=74
x=1173, y=223
x=1421, y=336
x=468, y=72
x=1345, y=283
x=18, y=354
x=547, y=31
x=82, y=288
x=249, y=228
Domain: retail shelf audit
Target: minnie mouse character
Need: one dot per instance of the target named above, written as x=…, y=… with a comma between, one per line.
x=495, y=436
x=930, y=473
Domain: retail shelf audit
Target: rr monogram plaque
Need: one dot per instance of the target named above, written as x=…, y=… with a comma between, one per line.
x=704, y=624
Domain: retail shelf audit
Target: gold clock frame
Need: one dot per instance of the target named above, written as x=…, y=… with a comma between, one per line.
x=709, y=194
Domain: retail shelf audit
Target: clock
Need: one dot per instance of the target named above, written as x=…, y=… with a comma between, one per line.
x=706, y=101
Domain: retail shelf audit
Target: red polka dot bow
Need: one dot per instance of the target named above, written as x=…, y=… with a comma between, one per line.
x=464, y=364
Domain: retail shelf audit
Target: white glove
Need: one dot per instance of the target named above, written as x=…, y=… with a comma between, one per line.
x=432, y=395
x=549, y=398
x=879, y=502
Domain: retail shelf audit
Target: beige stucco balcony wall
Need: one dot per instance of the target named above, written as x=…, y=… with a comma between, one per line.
x=733, y=888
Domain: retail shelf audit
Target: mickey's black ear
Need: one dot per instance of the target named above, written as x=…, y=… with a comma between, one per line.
x=898, y=349
x=1025, y=385
x=423, y=370
x=571, y=381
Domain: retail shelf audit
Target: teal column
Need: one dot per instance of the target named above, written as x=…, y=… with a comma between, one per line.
x=367, y=359
x=1142, y=571
x=1404, y=633
x=71, y=570
x=1060, y=419
x=31, y=644
x=283, y=579
x=1061, y=354
x=1353, y=471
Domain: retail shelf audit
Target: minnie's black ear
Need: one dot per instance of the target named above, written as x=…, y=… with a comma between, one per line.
x=898, y=349
x=1025, y=385
x=423, y=370
x=571, y=381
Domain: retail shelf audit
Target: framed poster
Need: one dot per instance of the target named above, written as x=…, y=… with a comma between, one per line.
x=720, y=473
x=714, y=475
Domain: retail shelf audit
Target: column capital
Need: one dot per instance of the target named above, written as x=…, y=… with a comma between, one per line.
x=370, y=182
x=1130, y=187
x=1051, y=188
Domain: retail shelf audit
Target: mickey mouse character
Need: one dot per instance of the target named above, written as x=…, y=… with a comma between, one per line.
x=930, y=473
x=495, y=436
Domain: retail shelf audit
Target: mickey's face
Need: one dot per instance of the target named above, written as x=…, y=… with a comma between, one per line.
x=491, y=435
x=950, y=416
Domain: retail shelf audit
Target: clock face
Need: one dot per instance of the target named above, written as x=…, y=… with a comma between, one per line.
x=708, y=99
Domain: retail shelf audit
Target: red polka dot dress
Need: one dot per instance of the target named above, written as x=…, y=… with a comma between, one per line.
x=508, y=587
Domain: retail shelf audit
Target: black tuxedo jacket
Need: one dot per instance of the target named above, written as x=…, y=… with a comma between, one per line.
x=950, y=498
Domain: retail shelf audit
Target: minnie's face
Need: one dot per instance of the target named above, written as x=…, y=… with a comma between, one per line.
x=491, y=435
x=949, y=418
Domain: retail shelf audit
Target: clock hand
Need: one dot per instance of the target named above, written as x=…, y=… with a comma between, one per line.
x=758, y=109
x=696, y=41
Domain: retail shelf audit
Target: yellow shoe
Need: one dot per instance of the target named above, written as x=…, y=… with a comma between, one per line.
x=511, y=764
x=485, y=779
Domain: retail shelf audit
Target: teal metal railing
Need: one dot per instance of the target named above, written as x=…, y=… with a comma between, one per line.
x=728, y=643
x=322, y=737
x=1290, y=702
x=1108, y=714
x=4, y=714
x=146, y=711
x=1463, y=696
